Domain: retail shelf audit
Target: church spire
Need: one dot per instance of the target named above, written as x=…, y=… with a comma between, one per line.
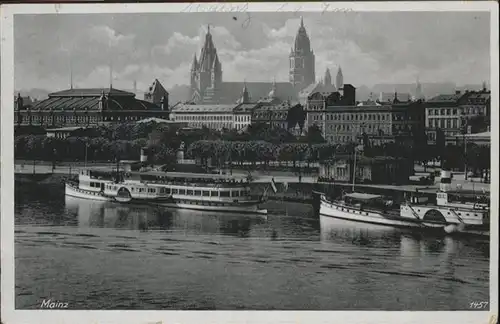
x=194, y=66
x=245, y=96
x=110, y=75
x=328, y=77
x=302, y=21
x=340, y=79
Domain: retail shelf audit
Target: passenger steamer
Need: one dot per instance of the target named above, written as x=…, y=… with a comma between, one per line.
x=416, y=212
x=194, y=191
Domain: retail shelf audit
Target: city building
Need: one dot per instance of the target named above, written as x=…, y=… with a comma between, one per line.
x=85, y=107
x=213, y=116
x=453, y=113
x=325, y=86
x=477, y=138
x=376, y=170
x=207, y=85
x=283, y=115
x=318, y=103
x=24, y=101
x=381, y=123
x=156, y=93
x=243, y=115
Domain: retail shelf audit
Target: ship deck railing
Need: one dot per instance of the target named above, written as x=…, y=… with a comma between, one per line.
x=215, y=184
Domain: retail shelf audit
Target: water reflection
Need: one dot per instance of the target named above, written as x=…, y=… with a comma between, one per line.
x=138, y=217
x=360, y=234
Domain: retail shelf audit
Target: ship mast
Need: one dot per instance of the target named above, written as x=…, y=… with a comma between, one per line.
x=354, y=171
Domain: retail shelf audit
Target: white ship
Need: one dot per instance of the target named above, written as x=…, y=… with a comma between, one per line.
x=448, y=212
x=208, y=192
x=417, y=212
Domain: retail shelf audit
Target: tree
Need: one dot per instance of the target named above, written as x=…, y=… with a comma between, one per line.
x=314, y=135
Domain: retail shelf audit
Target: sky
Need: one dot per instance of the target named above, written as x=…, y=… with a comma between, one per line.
x=371, y=47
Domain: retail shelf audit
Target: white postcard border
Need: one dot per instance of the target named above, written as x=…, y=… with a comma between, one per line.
x=10, y=315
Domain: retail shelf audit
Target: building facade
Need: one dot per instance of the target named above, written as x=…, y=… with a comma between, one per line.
x=216, y=117
x=156, y=93
x=452, y=113
x=85, y=107
x=377, y=170
x=382, y=123
x=207, y=85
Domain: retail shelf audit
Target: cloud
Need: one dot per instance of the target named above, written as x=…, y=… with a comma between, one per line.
x=371, y=47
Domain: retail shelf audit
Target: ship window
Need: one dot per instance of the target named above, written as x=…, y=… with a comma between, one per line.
x=224, y=193
x=459, y=214
x=466, y=214
x=197, y=192
x=175, y=191
x=190, y=192
x=167, y=190
x=206, y=193
x=162, y=190
x=214, y=194
x=182, y=191
x=236, y=193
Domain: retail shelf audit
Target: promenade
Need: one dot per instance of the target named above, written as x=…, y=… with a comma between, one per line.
x=458, y=182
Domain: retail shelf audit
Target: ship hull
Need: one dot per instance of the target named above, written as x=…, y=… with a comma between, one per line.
x=250, y=207
x=335, y=210
x=241, y=209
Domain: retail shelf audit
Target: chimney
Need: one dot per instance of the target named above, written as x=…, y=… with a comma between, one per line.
x=144, y=155
x=164, y=102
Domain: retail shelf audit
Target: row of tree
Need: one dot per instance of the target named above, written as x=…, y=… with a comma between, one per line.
x=40, y=147
x=258, y=143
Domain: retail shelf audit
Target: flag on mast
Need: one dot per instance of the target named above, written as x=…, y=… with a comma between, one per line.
x=273, y=185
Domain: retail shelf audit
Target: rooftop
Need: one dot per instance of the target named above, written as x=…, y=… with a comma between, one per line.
x=91, y=92
x=188, y=108
x=362, y=196
x=88, y=99
x=446, y=98
x=155, y=120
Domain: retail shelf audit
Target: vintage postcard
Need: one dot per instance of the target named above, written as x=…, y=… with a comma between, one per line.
x=249, y=163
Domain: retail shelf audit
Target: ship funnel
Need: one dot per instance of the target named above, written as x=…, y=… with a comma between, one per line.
x=144, y=155
x=445, y=183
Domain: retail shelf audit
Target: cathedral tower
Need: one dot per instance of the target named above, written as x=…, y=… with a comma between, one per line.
x=339, y=82
x=302, y=60
x=206, y=73
x=328, y=77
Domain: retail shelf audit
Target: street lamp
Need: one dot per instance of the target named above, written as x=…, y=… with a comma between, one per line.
x=86, y=147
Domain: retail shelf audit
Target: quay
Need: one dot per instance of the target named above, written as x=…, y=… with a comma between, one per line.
x=290, y=187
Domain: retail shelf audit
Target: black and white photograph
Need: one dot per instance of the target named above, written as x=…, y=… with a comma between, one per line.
x=249, y=157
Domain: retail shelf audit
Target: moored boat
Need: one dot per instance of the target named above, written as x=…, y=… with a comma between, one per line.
x=207, y=192
x=417, y=211
x=110, y=186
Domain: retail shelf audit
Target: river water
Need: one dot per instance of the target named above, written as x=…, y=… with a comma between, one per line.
x=95, y=255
